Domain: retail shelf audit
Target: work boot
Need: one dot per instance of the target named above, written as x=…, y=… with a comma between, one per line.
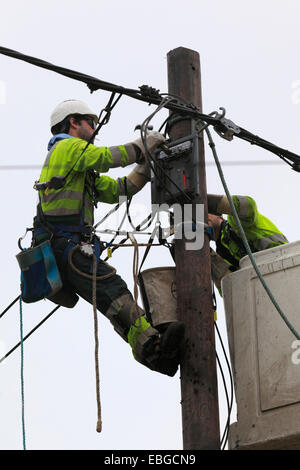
x=144, y=341
x=159, y=352
x=170, y=347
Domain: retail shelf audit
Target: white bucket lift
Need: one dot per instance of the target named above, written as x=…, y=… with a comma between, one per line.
x=265, y=354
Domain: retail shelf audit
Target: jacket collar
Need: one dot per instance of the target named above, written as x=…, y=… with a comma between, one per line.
x=57, y=138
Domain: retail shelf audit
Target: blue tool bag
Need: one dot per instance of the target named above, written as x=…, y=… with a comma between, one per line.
x=40, y=276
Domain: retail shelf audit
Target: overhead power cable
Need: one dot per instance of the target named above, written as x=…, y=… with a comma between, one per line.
x=9, y=306
x=145, y=93
x=29, y=334
x=223, y=126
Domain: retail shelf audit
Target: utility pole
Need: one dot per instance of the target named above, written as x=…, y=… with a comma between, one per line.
x=199, y=393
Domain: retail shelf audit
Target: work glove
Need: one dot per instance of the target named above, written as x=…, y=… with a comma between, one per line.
x=153, y=140
x=139, y=176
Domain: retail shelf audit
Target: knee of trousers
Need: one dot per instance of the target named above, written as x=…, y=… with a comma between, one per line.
x=122, y=313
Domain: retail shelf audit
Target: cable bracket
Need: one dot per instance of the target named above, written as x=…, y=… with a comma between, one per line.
x=149, y=92
x=225, y=127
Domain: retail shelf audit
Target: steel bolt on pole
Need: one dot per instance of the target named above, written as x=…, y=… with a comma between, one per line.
x=199, y=391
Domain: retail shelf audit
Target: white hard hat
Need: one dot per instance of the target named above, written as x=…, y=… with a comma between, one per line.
x=68, y=107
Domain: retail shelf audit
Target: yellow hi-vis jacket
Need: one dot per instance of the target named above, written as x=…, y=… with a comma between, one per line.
x=260, y=232
x=84, y=179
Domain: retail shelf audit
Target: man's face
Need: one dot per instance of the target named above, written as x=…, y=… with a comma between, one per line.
x=83, y=130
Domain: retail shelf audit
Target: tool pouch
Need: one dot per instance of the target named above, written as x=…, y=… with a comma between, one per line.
x=40, y=276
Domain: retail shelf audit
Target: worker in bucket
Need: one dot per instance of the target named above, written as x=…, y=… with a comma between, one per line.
x=66, y=215
x=260, y=232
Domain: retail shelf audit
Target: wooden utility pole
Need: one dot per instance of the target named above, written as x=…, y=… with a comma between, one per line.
x=200, y=411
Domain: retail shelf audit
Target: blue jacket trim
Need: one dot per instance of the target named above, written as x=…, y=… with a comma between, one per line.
x=58, y=137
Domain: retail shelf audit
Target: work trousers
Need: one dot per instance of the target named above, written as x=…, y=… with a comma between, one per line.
x=107, y=290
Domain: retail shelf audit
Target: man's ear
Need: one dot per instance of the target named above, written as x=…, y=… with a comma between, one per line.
x=73, y=123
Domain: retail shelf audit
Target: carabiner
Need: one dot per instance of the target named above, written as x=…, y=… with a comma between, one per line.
x=22, y=238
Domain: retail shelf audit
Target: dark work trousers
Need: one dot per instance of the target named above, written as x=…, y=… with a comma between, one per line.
x=107, y=289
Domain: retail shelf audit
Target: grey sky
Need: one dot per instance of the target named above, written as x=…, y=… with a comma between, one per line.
x=250, y=65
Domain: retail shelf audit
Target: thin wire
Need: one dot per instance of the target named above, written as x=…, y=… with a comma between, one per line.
x=227, y=400
x=225, y=434
x=226, y=430
x=208, y=163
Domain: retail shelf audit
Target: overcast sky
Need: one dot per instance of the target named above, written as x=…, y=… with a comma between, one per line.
x=249, y=54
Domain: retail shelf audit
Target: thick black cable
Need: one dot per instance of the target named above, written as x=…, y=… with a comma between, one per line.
x=152, y=96
x=145, y=93
x=29, y=334
x=92, y=82
x=258, y=141
x=9, y=306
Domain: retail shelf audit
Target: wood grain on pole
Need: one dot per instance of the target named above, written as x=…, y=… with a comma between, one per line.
x=199, y=393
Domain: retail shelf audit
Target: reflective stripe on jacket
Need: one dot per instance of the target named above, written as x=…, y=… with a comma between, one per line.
x=67, y=201
x=261, y=233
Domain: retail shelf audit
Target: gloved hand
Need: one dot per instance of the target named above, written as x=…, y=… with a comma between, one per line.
x=153, y=140
x=139, y=176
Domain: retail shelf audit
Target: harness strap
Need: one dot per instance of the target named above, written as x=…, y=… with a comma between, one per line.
x=72, y=233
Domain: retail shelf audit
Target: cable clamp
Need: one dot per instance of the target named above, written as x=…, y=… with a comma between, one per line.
x=225, y=127
x=149, y=92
